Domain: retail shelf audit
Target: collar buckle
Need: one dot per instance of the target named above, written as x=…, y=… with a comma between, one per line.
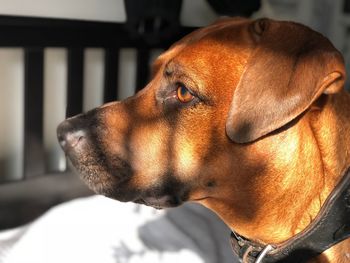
x=263, y=253
x=247, y=251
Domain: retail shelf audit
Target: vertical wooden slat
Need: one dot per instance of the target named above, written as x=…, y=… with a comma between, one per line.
x=55, y=101
x=127, y=73
x=142, y=70
x=75, y=82
x=33, y=112
x=93, y=78
x=111, y=75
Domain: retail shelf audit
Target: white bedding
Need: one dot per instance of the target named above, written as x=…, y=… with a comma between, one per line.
x=100, y=230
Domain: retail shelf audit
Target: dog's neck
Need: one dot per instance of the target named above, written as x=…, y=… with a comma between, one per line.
x=298, y=177
x=329, y=123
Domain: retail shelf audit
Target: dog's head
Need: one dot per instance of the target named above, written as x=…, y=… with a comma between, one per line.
x=217, y=100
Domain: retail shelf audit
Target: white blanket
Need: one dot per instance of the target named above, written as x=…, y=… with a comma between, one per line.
x=100, y=230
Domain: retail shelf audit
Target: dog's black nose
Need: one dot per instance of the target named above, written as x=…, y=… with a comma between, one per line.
x=69, y=135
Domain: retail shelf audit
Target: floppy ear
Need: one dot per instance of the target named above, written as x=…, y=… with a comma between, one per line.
x=289, y=69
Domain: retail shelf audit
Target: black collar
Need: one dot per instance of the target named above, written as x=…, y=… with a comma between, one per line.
x=331, y=225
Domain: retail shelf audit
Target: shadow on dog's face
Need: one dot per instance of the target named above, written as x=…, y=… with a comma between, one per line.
x=164, y=145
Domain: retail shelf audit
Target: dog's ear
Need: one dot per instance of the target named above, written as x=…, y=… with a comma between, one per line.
x=289, y=69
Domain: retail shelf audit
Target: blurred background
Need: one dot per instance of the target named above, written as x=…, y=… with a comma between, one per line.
x=47, y=73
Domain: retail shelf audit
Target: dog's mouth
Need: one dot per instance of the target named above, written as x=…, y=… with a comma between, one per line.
x=117, y=184
x=162, y=202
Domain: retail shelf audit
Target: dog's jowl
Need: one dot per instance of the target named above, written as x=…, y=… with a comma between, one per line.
x=248, y=118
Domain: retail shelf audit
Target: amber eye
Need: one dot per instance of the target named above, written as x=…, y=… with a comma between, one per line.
x=183, y=94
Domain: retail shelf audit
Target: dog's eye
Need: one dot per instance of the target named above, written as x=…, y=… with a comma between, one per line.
x=183, y=94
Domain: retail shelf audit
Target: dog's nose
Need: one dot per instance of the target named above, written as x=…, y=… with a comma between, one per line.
x=70, y=136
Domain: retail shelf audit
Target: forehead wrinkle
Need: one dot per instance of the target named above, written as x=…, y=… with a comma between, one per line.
x=183, y=74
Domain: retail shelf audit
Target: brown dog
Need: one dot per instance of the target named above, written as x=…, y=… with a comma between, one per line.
x=248, y=118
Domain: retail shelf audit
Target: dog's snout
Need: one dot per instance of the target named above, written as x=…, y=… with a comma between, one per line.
x=70, y=136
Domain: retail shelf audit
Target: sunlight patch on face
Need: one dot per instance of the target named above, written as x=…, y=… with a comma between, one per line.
x=288, y=151
x=149, y=154
x=186, y=163
x=282, y=147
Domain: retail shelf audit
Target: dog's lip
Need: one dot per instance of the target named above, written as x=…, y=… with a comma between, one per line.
x=161, y=202
x=143, y=202
x=198, y=199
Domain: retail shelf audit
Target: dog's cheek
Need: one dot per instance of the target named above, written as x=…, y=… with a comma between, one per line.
x=197, y=143
x=214, y=177
x=186, y=159
x=150, y=154
x=192, y=163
